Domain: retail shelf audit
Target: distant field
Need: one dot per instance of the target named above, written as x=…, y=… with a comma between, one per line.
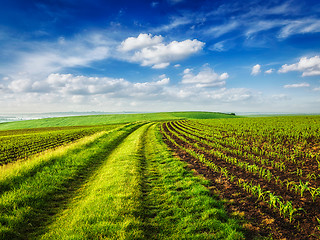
x=109, y=119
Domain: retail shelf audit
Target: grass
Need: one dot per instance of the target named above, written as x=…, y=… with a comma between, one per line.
x=108, y=206
x=16, y=172
x=108, y=119
x=35, y=195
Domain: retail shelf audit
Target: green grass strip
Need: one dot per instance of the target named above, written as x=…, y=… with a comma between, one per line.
x=34, y=198
x=109, y=205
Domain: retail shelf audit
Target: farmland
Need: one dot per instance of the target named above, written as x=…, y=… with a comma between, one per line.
x=190, y=175
x=267, y=168
x=15, y=144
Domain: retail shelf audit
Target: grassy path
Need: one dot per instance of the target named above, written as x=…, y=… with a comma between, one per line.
x=109, y=205
x=35, y=194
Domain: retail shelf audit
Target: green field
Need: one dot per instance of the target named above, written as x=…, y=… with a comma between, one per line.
x=109, y=119
x=183, y=175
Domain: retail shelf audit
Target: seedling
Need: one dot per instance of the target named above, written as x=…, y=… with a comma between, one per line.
x=314, y=192
x=303, y=187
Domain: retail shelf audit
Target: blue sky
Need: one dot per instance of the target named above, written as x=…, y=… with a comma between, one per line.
x=169, y=55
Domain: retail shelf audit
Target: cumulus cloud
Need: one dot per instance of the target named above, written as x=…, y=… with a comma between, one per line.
x=256, y=69
x=142, y=41
x=82, y=85
x=70, y=85
x=205, y=78
x=21, y=85
x=66, y=92
x=297, y=85
x=308, y=66
x=151, y=51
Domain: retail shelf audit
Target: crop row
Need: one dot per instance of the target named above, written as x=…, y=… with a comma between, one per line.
x=292, y=138
x=290, y=188
x=307, y=171
x=282, y=145
x=275, y=202
x=270, y=170
x=22, y=144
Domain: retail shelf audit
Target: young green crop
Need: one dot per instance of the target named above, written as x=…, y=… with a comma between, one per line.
x=24, y=143
x=243, y=147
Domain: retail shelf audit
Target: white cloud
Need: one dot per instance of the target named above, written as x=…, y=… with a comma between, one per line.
x=161, y=65
x=205, y=78
x=150, y=51
x=284, y=19
x=219, y=47
x=43, y=58
x=285, y=9
x=174, y=23
x=316, y=89
x=232, y=94
x=256, y=69
x=68, y=92
x=220, y=30
x=21, y=85
x=297, y=85
x=300, y=26
x=255, y=27
x=164, y=81
x=142, y=41
x=308, y=66
x=56, y=60
x=68, y=84
x=269, y=71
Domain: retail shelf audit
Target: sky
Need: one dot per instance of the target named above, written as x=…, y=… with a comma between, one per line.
x=161, y=55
